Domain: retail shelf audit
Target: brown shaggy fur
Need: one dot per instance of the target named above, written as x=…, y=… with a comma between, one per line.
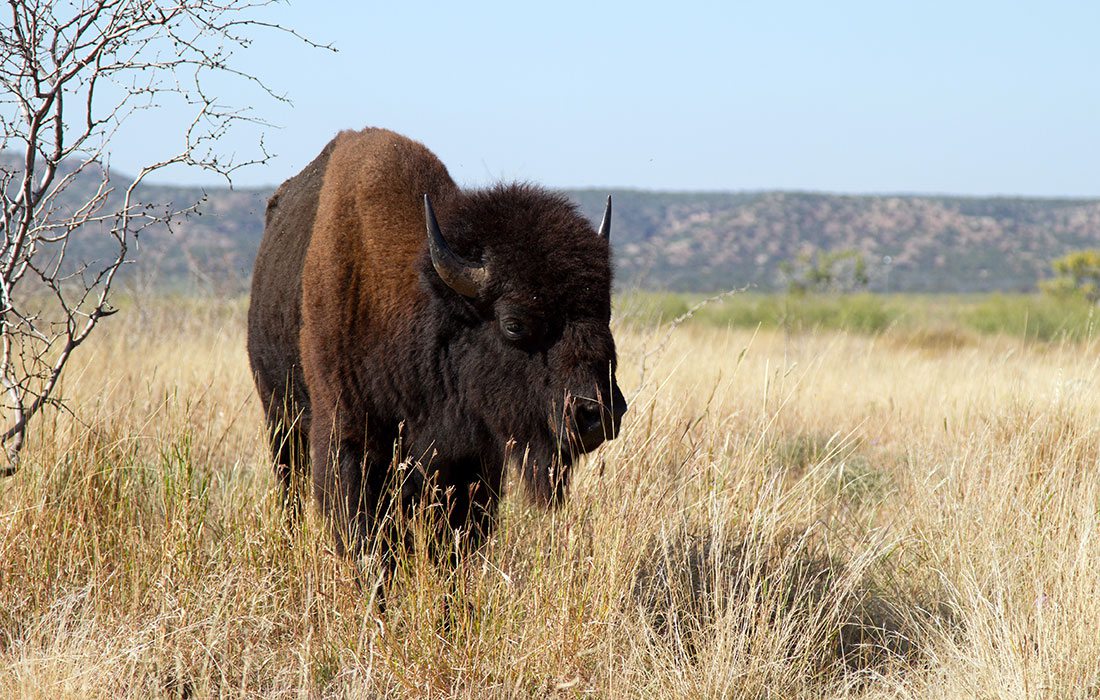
x=364, y=357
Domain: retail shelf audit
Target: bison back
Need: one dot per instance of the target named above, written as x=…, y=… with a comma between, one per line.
x=274, y=312
x=361, y=279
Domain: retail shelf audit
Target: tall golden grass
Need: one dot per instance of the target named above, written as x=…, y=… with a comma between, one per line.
x=784, y=516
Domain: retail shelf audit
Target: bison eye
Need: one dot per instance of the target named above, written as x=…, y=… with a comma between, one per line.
x=513, y=328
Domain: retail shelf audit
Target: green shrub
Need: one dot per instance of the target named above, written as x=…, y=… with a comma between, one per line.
x=1032, y=317
x=1076, y=275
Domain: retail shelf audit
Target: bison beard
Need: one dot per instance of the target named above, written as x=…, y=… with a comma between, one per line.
x=407, y=337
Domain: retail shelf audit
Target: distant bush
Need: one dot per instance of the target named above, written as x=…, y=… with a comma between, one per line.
x=1034, y=317
x=864, y=313
x=1076, y=275
x=825, y=271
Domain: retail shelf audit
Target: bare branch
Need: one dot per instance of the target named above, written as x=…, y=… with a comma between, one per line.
x=71, y=76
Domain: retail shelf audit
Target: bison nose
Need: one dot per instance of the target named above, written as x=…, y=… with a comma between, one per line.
x=597, y=421
x=618, y=408
x=589, y=417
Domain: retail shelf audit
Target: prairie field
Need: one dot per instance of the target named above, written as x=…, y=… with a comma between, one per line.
x=788, y=513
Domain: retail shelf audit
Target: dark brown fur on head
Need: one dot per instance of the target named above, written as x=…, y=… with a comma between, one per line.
x=372, y=341
x=549, y=271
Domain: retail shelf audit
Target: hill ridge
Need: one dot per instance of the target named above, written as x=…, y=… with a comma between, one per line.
x=712, y=240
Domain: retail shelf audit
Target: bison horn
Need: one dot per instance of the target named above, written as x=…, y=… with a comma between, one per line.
x=605, y=225
x=465, y=278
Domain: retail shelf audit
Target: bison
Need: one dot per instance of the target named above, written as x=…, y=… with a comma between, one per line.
x=398, y=320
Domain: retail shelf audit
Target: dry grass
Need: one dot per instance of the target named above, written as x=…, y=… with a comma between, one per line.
x=808, y=516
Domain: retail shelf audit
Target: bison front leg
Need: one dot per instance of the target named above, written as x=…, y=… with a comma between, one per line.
x=354, y=496
x=470, y=504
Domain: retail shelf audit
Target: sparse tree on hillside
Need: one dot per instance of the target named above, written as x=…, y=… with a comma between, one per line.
x=825, y=271
x=71, y=75
x=1076, y=275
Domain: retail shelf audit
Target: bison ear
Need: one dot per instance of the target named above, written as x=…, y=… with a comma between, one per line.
x=465, y=278
x=605, y=225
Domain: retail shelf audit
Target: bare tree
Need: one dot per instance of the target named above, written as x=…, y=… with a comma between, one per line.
x=72, y=73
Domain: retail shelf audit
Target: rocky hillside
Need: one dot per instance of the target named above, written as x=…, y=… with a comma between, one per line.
x=711, y=241
x=912, y=243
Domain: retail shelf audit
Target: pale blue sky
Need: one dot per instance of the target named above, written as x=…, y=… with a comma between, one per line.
x=950, y=97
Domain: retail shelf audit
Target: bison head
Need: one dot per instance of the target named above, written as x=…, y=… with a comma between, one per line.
x=520, y=286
